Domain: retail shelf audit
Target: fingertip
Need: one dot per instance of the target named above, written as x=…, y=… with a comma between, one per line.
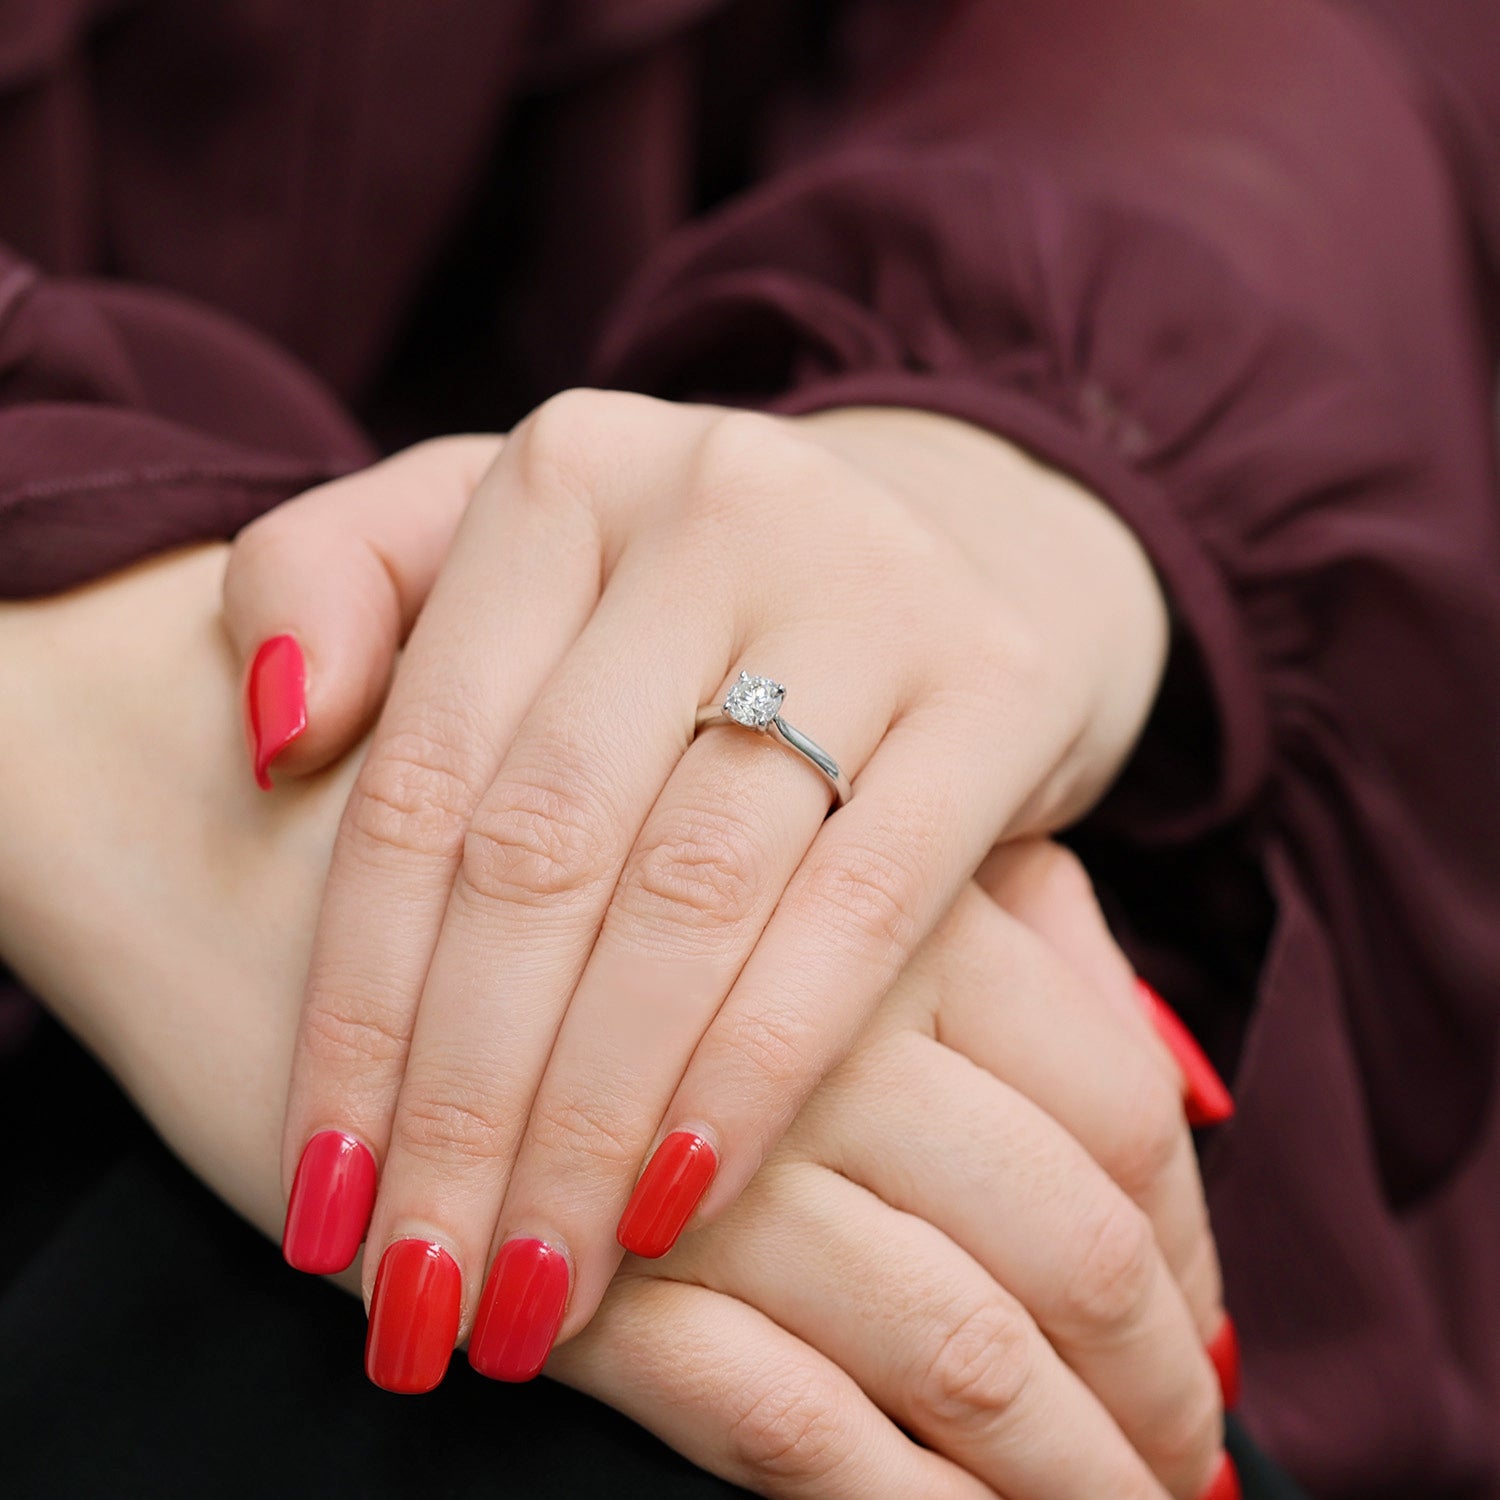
x=1206, y=1098
x=667, y=1194
x=521, y=1310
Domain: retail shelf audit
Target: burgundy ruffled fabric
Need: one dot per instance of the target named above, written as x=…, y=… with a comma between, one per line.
x=1233, y=268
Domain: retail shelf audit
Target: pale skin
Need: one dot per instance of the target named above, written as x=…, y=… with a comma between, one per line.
x=559, y=928
x=1042, y=1339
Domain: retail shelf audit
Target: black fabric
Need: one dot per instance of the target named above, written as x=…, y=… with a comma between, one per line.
x=151, y=1344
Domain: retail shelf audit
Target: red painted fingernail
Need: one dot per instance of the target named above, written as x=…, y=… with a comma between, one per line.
x=329, y=1209
x=674, y=1181
x=1224, y=1351
x=1225, y=1485
x=275, y=702
x=1206, y=1100
x=413, y=1317
x=520, y=1311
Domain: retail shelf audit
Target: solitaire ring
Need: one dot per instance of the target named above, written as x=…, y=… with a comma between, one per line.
x=755, y=703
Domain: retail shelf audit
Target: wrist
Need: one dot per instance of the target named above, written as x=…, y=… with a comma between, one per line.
x=1047, y=548
x=99, y=683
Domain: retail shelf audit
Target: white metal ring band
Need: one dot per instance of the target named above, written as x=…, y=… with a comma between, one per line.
x=755, y=703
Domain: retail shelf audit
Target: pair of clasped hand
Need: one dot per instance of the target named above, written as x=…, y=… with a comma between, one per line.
x=888, y=1142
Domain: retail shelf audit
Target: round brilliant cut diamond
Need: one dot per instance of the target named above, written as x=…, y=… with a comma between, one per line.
x=754, y=701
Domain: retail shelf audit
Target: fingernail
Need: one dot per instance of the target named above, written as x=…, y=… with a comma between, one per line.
x=674, y=1181
x=1225, y=1485
x=275, y=702
x=329, y=1209
x=1206, y=1100
x=413, y=1317
x=520, y=1311
x=1224, y=1351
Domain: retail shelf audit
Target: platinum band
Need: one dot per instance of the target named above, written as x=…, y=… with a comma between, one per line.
x=755, y=703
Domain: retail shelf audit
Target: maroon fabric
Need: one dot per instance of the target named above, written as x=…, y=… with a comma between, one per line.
x=1234, y=267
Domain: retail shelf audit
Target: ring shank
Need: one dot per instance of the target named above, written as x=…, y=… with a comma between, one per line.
x=812, y=752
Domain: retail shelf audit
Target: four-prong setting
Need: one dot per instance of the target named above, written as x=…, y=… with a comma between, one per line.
x=754, y=701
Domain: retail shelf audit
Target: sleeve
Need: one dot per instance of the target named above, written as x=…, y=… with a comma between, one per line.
x=132, y=421
x=1215, y=263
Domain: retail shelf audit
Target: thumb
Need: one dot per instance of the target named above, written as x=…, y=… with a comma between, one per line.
x=320, y=593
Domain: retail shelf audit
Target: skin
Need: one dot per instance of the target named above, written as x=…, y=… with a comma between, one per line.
x=557, y=926
x=1042, y=1338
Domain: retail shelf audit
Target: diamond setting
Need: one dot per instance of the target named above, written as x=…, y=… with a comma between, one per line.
x=754, y=701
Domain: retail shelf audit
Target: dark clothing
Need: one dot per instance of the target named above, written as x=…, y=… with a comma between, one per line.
x=1237, y=268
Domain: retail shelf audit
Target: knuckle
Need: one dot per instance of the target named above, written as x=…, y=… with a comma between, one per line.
x=559, y=419
x=559, y=444
x=869, y=897
x=1146, y=1138
x=696, y=871
x=444, y=1122
x=1010, y=660
x=773, y=1045
x=537, y=839
x=271, y=544
x=563, y=1128
x=1059, y=875
x=789, y=1432
x=1113, y=1278
x=750, y=461
x=412, y=796
x=336, y=1036
x=979, y=1369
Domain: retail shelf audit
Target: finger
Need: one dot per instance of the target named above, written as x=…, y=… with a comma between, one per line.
x=723, y=1385
x=881, y=871
x=923, y=1328
x=725, y=835
x=1048, y=889
x=1045, y=886
x=320, y=593
x=1010, y=1003
x=525, y=579
x=1048, y=1225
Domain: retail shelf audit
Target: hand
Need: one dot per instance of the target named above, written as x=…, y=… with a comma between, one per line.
x=630, y=945
x=185, y=978
x=932, y=1224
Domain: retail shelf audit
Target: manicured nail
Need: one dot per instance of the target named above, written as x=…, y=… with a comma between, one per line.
x=520, y=1311
x=275, y=702
x=1224, y=1351
x=674, y=1181
x=413, y=1317
x=329, y=1210
x=1225, y=1485
x=1206, y=1101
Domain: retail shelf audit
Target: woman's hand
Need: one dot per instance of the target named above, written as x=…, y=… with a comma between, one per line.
x=948, y=1224
x=931, y=1241
x=563, y=937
